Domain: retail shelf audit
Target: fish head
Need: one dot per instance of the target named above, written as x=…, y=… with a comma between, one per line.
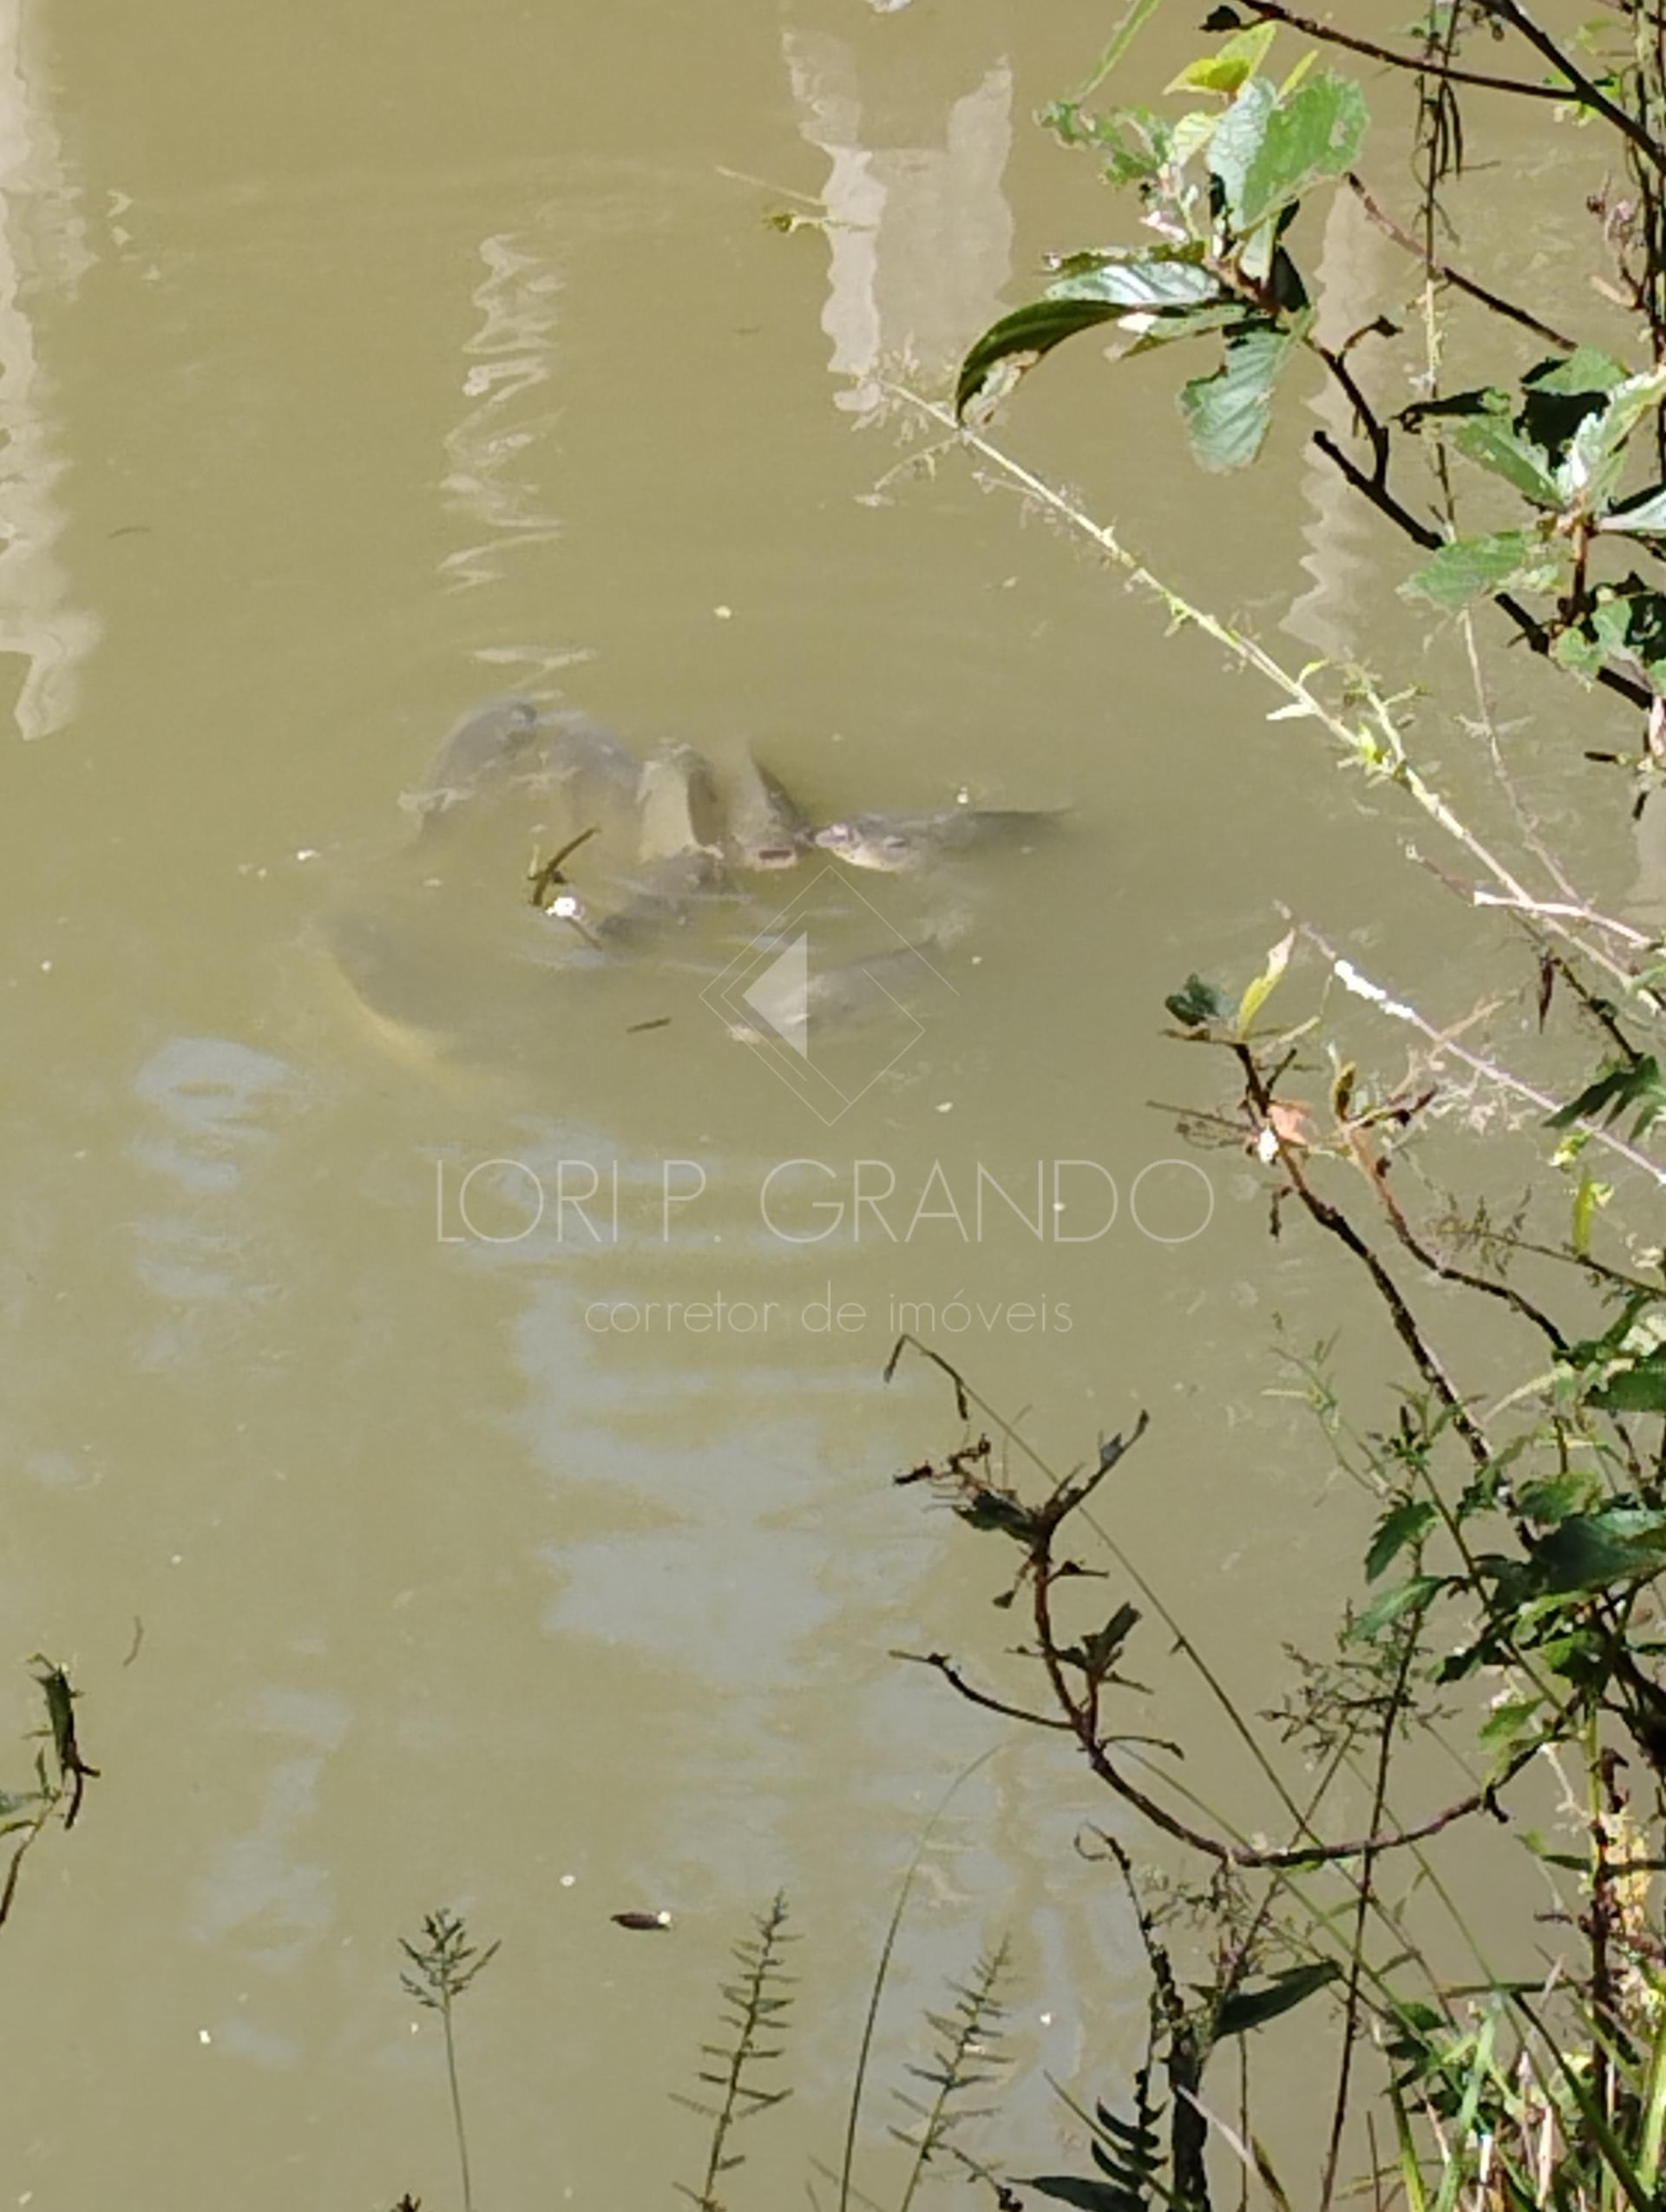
x=869, y=841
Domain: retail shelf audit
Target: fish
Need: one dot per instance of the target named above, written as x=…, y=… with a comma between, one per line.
x=767, y=828
x=513, y=743
x=818, y=1001
x=894, y=843
x=678, y=846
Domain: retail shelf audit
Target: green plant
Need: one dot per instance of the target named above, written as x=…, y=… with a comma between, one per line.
x=444, y=1965
x=756, y=2004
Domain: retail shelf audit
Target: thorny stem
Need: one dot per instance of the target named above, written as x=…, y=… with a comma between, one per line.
x=1336, y=1223
x=1447, y=1046
x=1386, y=223
x=1374, y=1167
x=1380, y=750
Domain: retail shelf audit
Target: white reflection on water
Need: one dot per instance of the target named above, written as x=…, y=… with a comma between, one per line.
x=921, y=236
x=214, y=1105
x=41, y=250
x=257, y=1888
x=508, y=359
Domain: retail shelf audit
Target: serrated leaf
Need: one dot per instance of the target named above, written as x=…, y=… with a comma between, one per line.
x=1164, y=296
x=1253, y=2008
x=1592, y=1551
x=1227, y=414
x=1586, y=369
x=1561, y=393
x=1638, y=1388
x=1555, y=1498
x=1596, y=450
x=1236, y=141
x=1472, y=568
x=1416, y=1590
x=1402, y=1527
x=1232, y=62
x=1508, y=1722
x=1261, y=989
x=1579, y=653
x=1268, y=151
x=1137, y=278
x=1499, y=446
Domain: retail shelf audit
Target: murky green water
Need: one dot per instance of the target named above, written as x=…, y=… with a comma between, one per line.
x=413, y=1544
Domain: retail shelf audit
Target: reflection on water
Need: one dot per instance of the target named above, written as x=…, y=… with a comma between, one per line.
x=920, y=234
x=451, y=1589
x=487, y=480
x=43, y=252
x=1359, y=270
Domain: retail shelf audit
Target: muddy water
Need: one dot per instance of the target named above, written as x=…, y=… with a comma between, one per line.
x=444, y=1421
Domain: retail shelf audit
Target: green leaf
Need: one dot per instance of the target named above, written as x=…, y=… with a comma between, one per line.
x=1164, y=295
x=1628, y=621
x=1404, y=1597
x=1258, y=992
x=1228, y=413
x=1029, y=332
x=1499, y=446
x=1226, y=68
x=1633, y=1083
x=1637, y=1389
x=1400, y=1529
x=1197, y=1005
x=1138, y=280
x=1587, y=370
x=1597, y=452
x=1268, y=151
x=1473, y=568
x=1621, y=1543
x=1508, y=1723
x=1555, y=1498
x=1236, y=143
x=1558, y=395
x=1089, y=2196
x=1253, y=2008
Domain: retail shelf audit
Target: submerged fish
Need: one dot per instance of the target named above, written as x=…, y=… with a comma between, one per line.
x=805, y=1002
x=896, y=842
x=511, y=743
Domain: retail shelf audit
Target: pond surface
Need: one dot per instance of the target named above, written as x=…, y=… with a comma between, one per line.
x=443, y=1424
